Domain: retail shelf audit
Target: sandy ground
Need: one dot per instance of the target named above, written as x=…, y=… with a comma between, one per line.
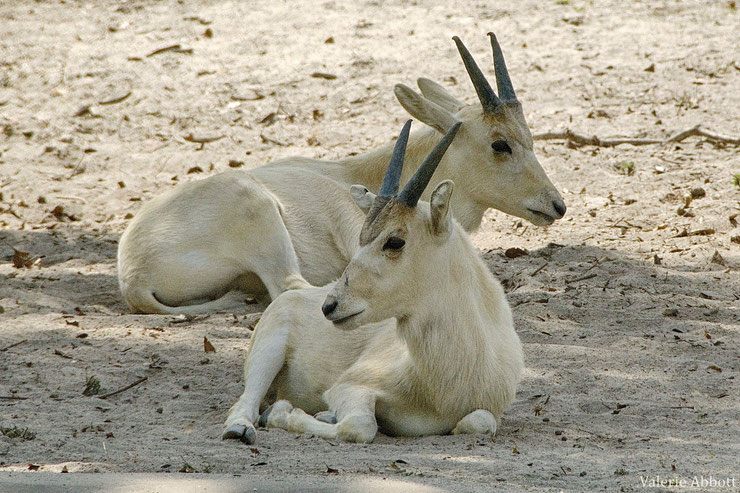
x=629, y=312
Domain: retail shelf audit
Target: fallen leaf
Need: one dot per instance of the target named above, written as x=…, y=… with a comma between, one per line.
x=23, y=259
x=207, y=346
x=331, y=470
x=195, y=169
x=718, y=259
x=269, y=119
x=515, y=252
x=323, y=75
x=715, y=368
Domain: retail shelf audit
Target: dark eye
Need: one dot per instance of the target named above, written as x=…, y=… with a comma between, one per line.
x=394, y=243
x=501, y=146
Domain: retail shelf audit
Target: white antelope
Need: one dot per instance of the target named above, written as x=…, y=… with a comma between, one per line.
x=275, y=227
x=448, y=361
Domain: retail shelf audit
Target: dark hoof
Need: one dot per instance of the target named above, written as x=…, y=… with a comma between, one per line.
x=262, y=423
x=245, y=434
x=326, y=417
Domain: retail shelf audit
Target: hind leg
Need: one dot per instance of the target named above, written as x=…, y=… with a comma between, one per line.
x=262, y=364
x=479, y=421
x=269, y=250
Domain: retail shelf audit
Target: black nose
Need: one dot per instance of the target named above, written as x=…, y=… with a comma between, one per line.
x=328, y=307
x=559, y=206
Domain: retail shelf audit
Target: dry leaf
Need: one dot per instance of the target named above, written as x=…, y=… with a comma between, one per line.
x=718, y=259
x=207, y=346
x=515, y=252
x=23, y=259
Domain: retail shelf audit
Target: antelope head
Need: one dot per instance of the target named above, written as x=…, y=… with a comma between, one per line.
x=492, y=160
x=403, y=243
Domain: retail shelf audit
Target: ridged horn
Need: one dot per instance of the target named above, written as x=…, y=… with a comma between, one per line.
x=416, y=185
x=391, y=179
x=503, y=82
x=487, y=97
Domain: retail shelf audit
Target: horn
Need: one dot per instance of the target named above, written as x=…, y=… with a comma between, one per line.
x=389, y=187
x=503, y=82
x=416, y=185
x=487, y=97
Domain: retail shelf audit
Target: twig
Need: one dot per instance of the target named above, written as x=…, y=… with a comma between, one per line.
x=165, y=49
x=579, y=139
x=538, y=269
x=116, y=100
x=13, y=345
x=268, y=140
x=582, y=278
x=141, y=380
x=571, y=136
x=71, y=197
x=12, y=398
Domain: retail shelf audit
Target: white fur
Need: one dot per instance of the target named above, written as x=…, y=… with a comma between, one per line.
x=449, y=360
x=268, y=229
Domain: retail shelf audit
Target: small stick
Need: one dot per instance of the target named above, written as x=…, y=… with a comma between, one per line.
x=71, y=197
x=163, y=50
x=116, y=100
x=268, y=140
x=582, y=278
x=538, y=269
x=13, y=345
x=12, y=398
x=202, y=140
x=141, y=380
x=571, y=136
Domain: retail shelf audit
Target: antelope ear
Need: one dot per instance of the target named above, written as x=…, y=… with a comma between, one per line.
x=363, y=197
x=439, y=207
x=423, y=109
x=438, y=94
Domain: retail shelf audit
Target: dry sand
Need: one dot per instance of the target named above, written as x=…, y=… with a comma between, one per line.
x=630, y=328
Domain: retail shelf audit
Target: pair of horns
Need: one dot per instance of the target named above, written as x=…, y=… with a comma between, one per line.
x=487, y=97
x=415, y=187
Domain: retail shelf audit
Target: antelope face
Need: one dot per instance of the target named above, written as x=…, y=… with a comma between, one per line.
x=493, y=160
x=400, y=239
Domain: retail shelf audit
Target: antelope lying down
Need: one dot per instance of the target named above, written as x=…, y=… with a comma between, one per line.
x=448, y=361
x=259, y=230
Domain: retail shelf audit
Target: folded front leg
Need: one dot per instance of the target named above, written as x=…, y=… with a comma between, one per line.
x=354, y=408
x=264, y=361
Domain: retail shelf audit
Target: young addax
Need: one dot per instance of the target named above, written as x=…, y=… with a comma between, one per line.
x=448, y=360
x=275, y=227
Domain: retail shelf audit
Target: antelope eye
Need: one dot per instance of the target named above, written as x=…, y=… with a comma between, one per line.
x=394, y=243
x=501, y=146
